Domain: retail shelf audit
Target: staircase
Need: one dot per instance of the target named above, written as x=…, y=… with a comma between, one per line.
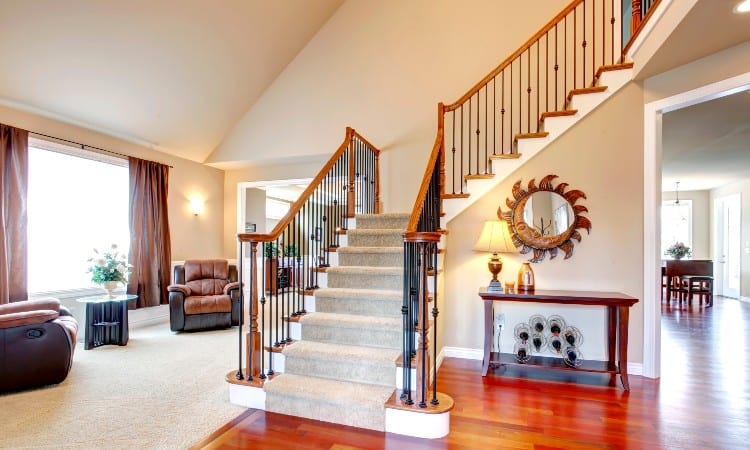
x=367, y=300
x=343, y=370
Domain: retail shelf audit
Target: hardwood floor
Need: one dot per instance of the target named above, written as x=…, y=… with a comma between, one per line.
x=701, y=402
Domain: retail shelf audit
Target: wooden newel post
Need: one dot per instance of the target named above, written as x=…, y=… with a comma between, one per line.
x=253, y=340
x=423, y=346
x=635, y=20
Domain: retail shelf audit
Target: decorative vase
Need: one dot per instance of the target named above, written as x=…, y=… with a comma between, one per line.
x=110, y=287
x=677, y=257
x=525, y=278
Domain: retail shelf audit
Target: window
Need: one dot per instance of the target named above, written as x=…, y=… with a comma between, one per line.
x=676, y=223
x=77, y=201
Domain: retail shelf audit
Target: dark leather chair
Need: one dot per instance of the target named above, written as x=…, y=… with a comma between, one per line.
x=37, y=341
x=205, y=295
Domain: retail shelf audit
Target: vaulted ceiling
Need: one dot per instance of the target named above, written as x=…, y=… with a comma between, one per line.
x=174, y=75
x=177, y=75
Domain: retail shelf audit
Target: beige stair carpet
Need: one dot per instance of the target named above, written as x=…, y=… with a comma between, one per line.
x=343, y=370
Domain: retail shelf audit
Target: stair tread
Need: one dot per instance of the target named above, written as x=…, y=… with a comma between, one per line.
x=375, y=231
x=561, y=113
x=448, y=196
x=342, y=352
x=350, y=249
x=350, y=320
x=384, y=216
x=540, y=134
x=366, y=270
x=375, y=294
x=586, y=90
x=506, y=156
x=329, y=390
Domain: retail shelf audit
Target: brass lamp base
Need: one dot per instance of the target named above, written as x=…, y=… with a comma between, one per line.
x=495, y=265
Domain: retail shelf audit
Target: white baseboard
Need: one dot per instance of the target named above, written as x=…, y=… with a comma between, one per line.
x=460, y=352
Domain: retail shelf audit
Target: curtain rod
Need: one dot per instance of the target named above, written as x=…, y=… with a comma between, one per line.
x=84, y=146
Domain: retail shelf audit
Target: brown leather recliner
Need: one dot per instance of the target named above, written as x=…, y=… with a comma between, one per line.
x=37, y=340
x=205, y=295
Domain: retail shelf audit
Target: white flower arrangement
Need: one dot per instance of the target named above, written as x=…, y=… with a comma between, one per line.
x=678, y=250
x=109, y=266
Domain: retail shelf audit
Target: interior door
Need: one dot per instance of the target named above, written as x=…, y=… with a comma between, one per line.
x=727, y=250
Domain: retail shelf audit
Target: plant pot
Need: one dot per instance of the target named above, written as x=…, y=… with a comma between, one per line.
x=110, y=287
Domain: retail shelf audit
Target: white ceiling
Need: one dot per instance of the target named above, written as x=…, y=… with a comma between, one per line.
x=178, y=74
x=705, y=145
x=175, y=75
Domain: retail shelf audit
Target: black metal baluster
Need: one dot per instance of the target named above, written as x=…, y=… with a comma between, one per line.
x=502, y=115
x=486, y=130
x=453, y=152
x=528, y=90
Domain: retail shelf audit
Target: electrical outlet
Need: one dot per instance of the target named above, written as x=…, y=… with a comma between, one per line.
x=499, y=320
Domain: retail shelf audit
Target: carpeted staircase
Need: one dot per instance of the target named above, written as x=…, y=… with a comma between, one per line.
x=343, y=370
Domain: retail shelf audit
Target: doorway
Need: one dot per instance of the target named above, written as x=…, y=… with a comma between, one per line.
x=727, y=245
x=652, y=162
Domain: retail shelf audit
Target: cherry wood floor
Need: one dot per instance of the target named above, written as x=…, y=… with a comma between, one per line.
x=701, y=402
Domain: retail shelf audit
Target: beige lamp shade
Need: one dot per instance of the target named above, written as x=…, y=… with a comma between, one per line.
x=495, y=239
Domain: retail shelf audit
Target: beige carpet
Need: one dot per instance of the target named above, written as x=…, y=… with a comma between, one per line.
x=161, y=391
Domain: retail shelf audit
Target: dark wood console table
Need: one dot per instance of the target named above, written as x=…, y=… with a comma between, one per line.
x=618, y=308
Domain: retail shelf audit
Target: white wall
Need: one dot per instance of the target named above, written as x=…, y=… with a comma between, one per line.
x=192, y=236
x=382, y=67
x=601, y=156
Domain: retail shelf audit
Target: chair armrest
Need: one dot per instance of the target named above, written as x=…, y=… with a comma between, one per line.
x=180, y=288
x=231, y=286
x=22, y=318
x=49, y=304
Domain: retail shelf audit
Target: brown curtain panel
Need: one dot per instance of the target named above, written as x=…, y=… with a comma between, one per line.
x=150, y=248
x=14, y=179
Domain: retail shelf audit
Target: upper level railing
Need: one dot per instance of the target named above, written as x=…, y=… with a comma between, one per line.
x=535, y=82
x=285, y=263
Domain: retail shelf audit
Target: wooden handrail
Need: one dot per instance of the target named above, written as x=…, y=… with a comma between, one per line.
x=513, y=56
x=436, y=150
x=295, y=208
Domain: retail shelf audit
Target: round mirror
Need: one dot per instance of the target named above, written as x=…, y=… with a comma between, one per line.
x=545, y=218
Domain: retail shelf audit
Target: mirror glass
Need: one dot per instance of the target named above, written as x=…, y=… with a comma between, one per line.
x=548, y=212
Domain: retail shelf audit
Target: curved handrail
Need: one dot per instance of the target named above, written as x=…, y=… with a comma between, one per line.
x=307, y=193
x=431, y=162
x=548, y=27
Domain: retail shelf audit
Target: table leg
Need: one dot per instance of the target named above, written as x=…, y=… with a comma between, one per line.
x=487, y=336
x=611, y=337
x=123, y=319
x=622, y=326
x=89, y=333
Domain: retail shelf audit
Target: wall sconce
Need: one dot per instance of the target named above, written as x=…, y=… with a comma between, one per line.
x=196, y=206
x=495, y=239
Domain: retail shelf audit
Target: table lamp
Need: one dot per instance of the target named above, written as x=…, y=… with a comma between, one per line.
x=495, y=239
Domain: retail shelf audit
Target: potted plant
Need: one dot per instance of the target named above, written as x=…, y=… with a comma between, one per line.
x=678, y=250
x=108, y=268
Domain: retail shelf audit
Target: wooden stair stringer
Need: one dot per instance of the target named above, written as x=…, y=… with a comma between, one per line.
x=554, y=125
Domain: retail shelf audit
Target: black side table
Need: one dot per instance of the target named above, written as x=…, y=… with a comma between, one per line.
x=106, y=319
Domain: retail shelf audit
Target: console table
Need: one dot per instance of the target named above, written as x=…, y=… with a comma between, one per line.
x=618, y=308
x=106, y=320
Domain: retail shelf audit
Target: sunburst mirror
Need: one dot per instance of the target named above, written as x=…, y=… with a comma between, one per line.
x=545, y=218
